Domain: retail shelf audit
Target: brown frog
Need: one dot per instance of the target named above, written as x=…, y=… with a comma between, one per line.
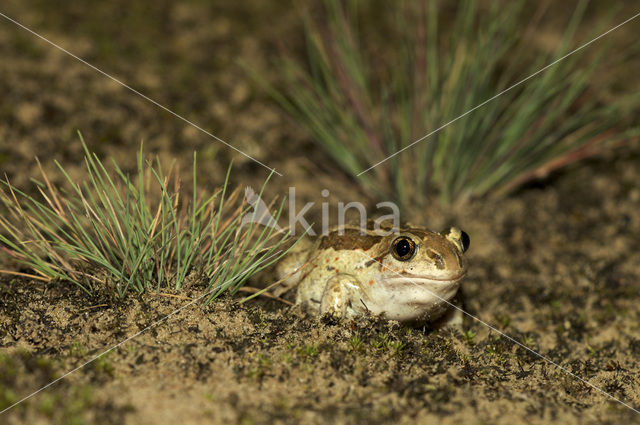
x=408, y=275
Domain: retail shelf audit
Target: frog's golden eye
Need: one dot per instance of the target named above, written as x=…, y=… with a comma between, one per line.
x=403, y=248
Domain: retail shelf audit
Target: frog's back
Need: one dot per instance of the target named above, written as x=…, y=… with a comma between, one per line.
x=289, y=268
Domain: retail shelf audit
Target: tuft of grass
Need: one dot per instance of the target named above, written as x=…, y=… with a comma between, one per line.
x=137, y=233
x=469, y=336
x=364, y=97
x=355, y=344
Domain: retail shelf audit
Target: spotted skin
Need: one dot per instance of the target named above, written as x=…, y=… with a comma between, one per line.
x=349, y=272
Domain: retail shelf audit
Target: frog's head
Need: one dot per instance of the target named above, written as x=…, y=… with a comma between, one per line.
x=421, y=271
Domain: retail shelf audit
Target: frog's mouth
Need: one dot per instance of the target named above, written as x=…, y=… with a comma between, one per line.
x=421, y=279
x=421, y=295
x=425, y=290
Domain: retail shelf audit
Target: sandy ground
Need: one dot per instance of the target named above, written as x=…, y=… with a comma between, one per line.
x=555, y=265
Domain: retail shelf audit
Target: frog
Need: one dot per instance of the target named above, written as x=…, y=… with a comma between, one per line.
x=410, y=274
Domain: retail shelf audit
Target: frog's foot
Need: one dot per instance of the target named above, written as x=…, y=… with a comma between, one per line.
x=342, y=296
x=286, y=284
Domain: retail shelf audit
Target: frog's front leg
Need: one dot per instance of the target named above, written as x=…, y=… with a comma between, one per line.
x=343, y=296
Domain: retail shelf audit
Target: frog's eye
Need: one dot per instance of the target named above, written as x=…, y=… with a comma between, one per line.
x=403, y=248
x=459, y=238
x=465, y=240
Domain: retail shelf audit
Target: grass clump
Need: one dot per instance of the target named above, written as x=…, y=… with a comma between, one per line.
x=372, y=85
x=135, y=233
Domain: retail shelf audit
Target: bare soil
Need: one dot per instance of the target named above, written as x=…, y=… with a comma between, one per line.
x=555, y=265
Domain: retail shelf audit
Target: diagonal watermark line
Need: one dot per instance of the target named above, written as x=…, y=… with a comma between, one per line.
x=510, y=338
x=175, y=114
x=499, y=94
x=157, y=322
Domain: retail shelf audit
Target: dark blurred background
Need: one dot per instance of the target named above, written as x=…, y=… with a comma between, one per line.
x=186, y=56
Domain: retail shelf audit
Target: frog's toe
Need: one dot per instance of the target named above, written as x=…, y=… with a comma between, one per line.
x=336, y=297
